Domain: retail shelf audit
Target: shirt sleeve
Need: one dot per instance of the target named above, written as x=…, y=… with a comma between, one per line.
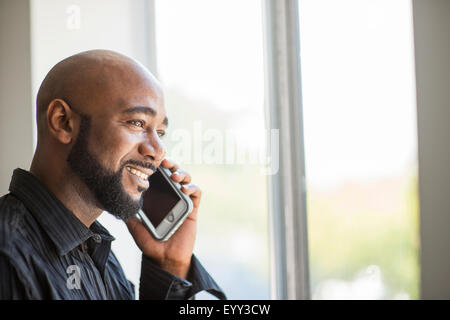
x=158, y=284
x=11, y=288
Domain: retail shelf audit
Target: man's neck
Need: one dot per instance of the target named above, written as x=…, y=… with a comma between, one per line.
x=70, y=190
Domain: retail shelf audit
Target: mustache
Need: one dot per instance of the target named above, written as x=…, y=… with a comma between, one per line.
x=147, y=165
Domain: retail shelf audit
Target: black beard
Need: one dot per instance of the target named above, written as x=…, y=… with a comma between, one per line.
x=106, y=185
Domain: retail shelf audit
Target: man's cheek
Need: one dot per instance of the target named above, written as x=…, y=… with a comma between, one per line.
x=107, y=159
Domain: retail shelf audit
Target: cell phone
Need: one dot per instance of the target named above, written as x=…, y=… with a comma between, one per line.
x=165, y=206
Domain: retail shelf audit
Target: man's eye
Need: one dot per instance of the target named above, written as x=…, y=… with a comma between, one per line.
x=161, y=134
x=137, y=123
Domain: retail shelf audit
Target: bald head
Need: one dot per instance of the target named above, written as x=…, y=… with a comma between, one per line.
x=93, y=80
x=99, y=113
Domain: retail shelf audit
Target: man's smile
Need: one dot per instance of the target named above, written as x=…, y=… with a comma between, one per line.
x=139, y=173
x=140, y=177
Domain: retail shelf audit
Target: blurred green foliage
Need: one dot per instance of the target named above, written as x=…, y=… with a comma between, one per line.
x=369, y=223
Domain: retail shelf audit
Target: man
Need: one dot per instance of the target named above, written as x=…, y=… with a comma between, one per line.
x=99, y=115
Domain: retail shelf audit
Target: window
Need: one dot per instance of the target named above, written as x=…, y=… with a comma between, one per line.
x=359, y=131
x=360, y=148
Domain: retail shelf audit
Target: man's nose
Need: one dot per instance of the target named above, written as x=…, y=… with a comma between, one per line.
x=153, y=148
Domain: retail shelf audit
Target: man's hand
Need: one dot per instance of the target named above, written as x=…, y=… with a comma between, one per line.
x=175, y=254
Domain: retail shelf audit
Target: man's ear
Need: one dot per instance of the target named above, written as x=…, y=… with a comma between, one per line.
x=60, y=120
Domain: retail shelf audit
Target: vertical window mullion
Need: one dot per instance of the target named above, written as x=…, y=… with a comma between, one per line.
x=287, y=195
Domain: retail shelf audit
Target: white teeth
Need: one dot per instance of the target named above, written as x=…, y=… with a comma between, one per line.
x=138, y=173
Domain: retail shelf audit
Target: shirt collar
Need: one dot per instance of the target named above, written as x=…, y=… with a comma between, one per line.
x=62, y=226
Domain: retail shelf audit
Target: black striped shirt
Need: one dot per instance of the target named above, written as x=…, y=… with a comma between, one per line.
x=46, y=252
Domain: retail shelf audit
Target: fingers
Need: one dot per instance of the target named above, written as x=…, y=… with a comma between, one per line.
x=169, y=164
x=193, y=192
x=178, y=175
x=181, y=176
x=184, y=178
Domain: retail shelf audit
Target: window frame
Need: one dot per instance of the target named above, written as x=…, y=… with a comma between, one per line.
x=286, y=188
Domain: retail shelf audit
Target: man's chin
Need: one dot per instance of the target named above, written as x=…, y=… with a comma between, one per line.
x=126, y=206
x=123, y=215
x=136, y=196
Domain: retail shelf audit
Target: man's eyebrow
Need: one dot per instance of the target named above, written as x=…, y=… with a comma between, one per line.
x=145, y=109
x=140, y=109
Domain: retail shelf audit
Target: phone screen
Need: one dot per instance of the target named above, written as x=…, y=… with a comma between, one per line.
x=159, y=199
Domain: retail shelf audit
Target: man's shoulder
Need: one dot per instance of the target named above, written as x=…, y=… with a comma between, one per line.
x=12, y=212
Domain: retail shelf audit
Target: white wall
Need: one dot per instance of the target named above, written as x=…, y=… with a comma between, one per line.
x=432, y=49
x=16, y=139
